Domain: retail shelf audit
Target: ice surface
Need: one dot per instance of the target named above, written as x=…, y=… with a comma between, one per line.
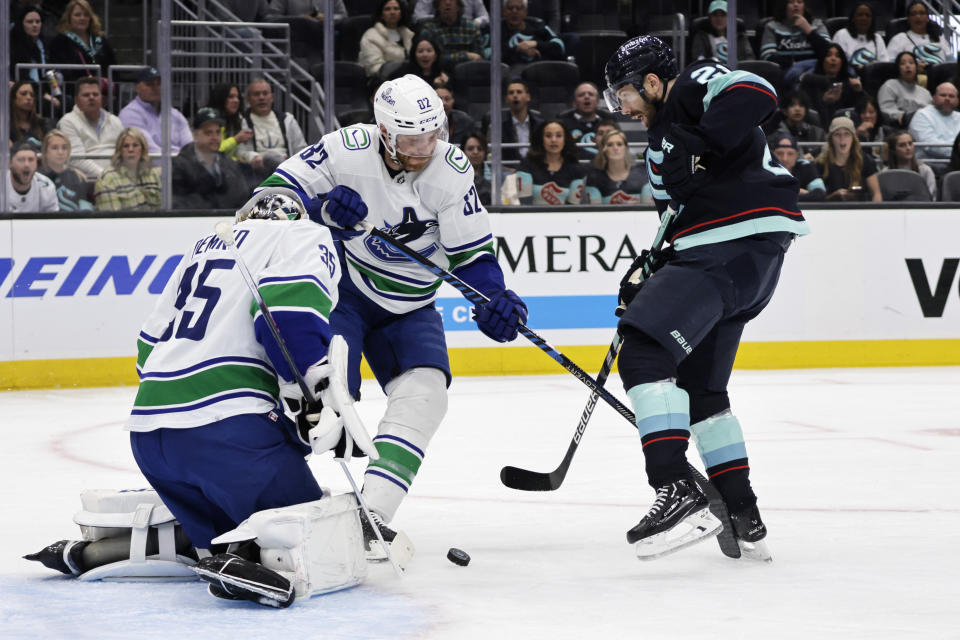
x=856, y=471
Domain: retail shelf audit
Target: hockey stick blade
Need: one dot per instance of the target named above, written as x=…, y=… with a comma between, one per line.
x=725, y=538
x=524, y=480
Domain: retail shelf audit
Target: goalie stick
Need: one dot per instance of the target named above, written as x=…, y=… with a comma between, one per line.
x=726, y=538
x=224, y=231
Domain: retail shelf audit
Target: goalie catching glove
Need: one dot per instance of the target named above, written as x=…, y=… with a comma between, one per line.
x=682, y=175
x=331, y=422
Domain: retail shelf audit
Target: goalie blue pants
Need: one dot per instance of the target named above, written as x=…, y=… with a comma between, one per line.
x=214, y=477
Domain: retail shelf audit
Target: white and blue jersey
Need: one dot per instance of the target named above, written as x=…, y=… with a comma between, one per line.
x=205, y=352
x=435, y=211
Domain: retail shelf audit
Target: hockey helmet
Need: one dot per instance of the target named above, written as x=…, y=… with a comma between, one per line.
x=271, y=205
x=413, y=116
x=633, y=61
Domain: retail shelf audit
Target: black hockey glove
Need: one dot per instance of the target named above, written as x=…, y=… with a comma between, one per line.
x=682, y=149
x=637, y=275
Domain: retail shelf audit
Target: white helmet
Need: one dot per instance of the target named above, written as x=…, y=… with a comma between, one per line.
x=412, y=113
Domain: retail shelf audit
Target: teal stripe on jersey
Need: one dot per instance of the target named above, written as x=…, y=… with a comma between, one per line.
x=397, y=460
x=719, y=439
x=660, y=406
x=158, y=392
x=717, y=84
x=743, y=229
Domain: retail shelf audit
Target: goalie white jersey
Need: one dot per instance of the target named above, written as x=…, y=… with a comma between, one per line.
x=436, y=211
x=201, y=354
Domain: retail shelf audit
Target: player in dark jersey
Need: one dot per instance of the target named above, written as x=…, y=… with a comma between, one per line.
x=737, y=214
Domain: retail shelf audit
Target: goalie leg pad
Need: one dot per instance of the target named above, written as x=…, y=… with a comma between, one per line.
x=110, y=517
x=416, y=405
x=317, y=546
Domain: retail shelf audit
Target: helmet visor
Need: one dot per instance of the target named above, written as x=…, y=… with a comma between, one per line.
x=421, y=145
x=612, y=100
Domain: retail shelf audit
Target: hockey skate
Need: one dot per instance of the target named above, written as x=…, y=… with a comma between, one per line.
x=233, y=578
x=400, y=545
x=678, y=518
x=750, y=532
x=63, y=556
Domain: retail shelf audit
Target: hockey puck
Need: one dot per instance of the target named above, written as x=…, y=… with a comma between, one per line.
x=458, y=556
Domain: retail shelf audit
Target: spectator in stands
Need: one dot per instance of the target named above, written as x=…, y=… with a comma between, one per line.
x=81, y=41
x=550, y=173
x=519, y=121
x=203, y=177
x=131, y=183
x=472, y=10
x=937, y=122
x=424, y=61
x=583, y=119
x=475, y=148
x=286, y=9
x=614, y=177
x=27, y=190
x=793, y=116
x=860, y=40
x=526, y=39
x=793, y=39
x=459, y=122
x=225, y=98
x=711, y=41
x=848, y=174
x=830, y=86
x=276, y=134
x=899, y=153
x=787, y=152
x=50, y=13
x=143, y=112
x=900, y=97
x=924, y=39
x=458, y=37
x=955, y=155
x=869, y=127
x=71, y=184
x=26, y=125
x=253, y=10
x=389, y=39
x=91, y=130
x=27, y=45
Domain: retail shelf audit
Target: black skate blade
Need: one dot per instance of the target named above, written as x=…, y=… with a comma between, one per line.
x=524, y=480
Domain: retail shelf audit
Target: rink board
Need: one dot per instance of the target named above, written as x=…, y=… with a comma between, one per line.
x=867, y=288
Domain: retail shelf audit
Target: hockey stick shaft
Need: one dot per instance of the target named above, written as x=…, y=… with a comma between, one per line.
x=224, y=231
x=525, y=480
x=476, y=297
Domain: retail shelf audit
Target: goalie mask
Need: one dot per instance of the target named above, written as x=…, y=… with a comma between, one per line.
x=413, y=116
x=271, y=206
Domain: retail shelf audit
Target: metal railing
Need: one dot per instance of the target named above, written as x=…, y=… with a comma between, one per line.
x=46, y=84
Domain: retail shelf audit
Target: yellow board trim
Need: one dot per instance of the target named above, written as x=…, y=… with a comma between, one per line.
x=496, y=361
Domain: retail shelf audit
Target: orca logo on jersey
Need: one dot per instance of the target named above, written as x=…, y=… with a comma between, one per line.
x=408, y=230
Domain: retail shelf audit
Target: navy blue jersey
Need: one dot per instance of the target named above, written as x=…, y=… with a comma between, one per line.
x=746, y=191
